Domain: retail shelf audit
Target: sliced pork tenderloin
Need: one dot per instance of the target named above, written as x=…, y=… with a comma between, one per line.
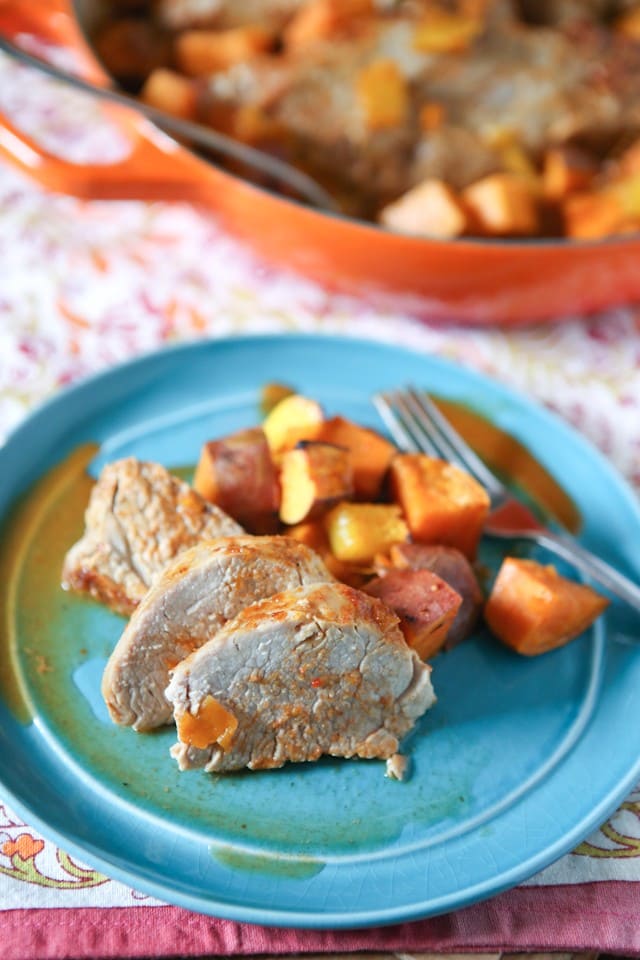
x=321, y=669
x=195, y=596
x=139, y=518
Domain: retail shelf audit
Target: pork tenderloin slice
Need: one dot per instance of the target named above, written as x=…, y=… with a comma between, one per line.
x=321, y=669
x=139, y=518
x=195, y=596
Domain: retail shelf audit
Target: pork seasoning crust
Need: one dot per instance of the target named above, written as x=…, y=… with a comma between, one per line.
x=195, y=596
x=317, y=670
x=139, y=518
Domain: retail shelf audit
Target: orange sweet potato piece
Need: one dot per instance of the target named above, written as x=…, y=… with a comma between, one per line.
x=588, y=216
x=566, y=170
x=314, y=476
x=369, y=452
x=503, y=204
x=201, y=52
x=213, y=723
x=238, y=474
x=425, y=605
x=441, y=502
x=532, y=608
x=320, y=20
x=382, y=94
x=429, y=209
x=171, y=92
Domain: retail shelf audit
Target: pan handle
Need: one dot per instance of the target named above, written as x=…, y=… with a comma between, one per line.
x=155, y=166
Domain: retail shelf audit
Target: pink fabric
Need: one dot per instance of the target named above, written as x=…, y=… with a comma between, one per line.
x=600, y=917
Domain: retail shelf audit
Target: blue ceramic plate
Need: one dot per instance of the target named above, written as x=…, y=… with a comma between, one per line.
x=519, y=760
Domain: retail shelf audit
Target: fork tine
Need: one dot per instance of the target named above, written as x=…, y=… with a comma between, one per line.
x=451, y=446
x=402, y=424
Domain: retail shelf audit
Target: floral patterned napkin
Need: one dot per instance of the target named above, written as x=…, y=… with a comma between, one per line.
x=85, y=285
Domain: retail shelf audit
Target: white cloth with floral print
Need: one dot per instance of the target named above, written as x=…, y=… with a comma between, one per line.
x=86, y=285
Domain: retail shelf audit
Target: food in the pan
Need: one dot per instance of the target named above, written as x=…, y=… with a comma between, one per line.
x=138, y=519
x=318, y=670
x=445, y=118
x=201, y=590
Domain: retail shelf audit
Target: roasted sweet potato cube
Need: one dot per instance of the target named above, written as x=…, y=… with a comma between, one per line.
x=441, y=502
x=314, y=476
x=566, y=170
x=359, y=531
x=171, y=92
x=443, y=32
x=382, y=94
x=503, y=204
x=293, y=419
x=238, y=474
x=320, y=20
x=590, y=215
x=532, y=608
x=370, y=454
x=429, y=209
x=451, y=566
x=213, y=723
x=202, y=52
x=425, y=604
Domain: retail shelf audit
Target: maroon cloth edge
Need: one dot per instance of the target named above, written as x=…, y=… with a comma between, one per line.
x=602, y=917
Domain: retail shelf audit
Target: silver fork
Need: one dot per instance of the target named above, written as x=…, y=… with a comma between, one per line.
x=417, y=425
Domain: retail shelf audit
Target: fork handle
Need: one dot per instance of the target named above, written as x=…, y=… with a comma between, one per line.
x=594, y=567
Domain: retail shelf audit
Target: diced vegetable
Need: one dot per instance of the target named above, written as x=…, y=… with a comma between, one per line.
x=451, y=566
x=532, y=608
x=238, y=474
x=441, y=502
x=370, y=454
x=171, y=92
x=313, y=477
x=382, y=94
x=429, y=209
x=320, y=20
x=358, y=531
x=202, y=52
x=271, y=395
x=566, y=170
x=213, y=723
x=503, y=203
x=442, y=32
x=424, y=603
x=294, y=418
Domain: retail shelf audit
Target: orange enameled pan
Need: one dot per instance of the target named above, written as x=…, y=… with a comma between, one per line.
x=471, y=281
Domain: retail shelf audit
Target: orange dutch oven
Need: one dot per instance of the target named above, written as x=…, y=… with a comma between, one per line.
x=473, y=281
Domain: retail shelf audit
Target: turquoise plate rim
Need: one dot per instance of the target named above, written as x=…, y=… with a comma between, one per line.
x=491, y=866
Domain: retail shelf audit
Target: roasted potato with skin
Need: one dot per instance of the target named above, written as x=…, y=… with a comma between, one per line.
x=238, y=474
x=424, y=603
